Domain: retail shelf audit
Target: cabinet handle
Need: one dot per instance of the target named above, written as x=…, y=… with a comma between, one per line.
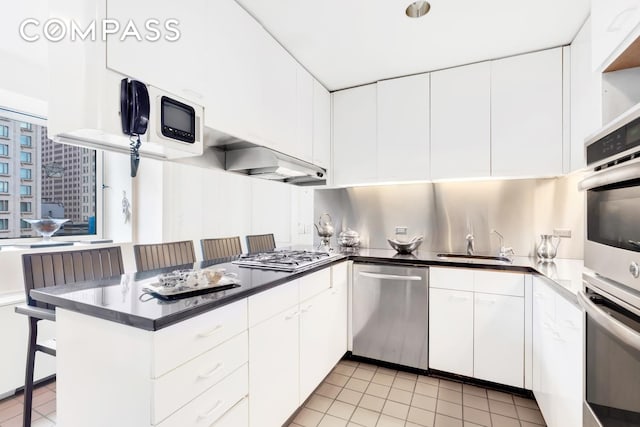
x=307, y=308
x=210, y=332
x=291, y=316
x=390, y=276
x=211, y=372
x=452, y=298
x=210, y=411
x=620, y=18
x=486, y=301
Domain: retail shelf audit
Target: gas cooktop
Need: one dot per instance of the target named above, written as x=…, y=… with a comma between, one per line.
x=284, y=260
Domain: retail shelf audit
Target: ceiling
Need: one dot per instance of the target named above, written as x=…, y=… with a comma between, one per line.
x=346, y=43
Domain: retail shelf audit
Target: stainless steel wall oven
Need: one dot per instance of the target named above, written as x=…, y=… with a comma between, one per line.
x=611, y=296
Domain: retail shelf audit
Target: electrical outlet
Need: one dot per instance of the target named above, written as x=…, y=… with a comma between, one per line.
x=562, y=232
x=401, y=230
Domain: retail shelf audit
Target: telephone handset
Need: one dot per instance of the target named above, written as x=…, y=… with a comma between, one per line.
x=134, y=114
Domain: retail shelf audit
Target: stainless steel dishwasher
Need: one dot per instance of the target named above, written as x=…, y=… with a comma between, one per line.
x=390, y=313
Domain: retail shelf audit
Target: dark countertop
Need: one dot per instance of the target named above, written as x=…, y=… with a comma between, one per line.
x=119, y=299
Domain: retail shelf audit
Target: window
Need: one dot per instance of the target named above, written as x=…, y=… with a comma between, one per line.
x=4, y=206
x=4, y=168
x=24, y=225
x=4, y=224
x=50, y=179
x=4, y=131
x=25, y=140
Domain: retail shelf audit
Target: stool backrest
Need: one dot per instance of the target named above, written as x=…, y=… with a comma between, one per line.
x=162, y=255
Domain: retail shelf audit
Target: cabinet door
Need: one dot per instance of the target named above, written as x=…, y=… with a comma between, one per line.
x=354, y=136
x=403, y=128
x=321, y=125
x=451, y=331
x=543, y=346
x=274, y=369
x=174, y=66
x=339, y=311
x=315, y=334
x=526, y=115
x=613, y=24
x=302, y=147
x=499, y=339
x=461, y=122
x=586, y=96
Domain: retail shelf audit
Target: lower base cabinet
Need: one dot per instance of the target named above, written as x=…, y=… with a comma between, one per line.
x=476, y=324
x=558, y=363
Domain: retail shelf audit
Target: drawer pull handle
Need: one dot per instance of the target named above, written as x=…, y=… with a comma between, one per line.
x=211, y=372
x=291, y=316
x=210, y=411
x=209, y=332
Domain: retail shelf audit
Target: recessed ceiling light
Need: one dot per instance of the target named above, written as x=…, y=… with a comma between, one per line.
x=418, y=8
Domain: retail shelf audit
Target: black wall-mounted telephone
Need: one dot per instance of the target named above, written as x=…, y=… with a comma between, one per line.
x=134, y=107
x=134, y=114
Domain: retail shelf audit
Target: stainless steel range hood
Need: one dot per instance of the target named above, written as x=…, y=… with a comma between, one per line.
x=261, y=162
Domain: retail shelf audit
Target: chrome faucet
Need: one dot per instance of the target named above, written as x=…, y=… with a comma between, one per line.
x=470, y=248
x=504, y=251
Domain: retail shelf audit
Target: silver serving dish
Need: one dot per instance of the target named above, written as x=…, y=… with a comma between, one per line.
x=406, y=247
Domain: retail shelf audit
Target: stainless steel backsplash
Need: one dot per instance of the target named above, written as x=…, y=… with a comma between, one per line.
x=444, y=213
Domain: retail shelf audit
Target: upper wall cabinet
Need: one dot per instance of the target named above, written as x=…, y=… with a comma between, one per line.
x=460, y=122
x=354, y=136
x=615, y=26
x=321, y=125
x=403, y=128
x=302, y=145
x=586, y=96
x=527, y=115
x=174, y=66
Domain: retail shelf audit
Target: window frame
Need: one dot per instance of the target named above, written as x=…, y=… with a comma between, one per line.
x=100, y=221
x=30, y=145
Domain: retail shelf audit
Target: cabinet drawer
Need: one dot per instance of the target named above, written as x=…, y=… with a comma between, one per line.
x=211, y=405
x=315, y=283
x=179, y=343
x=267, y=304
x=458, y=279
x=494, y=282
x=238, y=416
x=178, y=387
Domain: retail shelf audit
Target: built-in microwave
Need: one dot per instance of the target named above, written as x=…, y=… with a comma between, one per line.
x=612, y=244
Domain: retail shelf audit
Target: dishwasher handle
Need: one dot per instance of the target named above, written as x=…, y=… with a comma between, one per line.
x=390, y=276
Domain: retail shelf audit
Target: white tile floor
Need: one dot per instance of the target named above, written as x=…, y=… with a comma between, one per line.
x=362, y=395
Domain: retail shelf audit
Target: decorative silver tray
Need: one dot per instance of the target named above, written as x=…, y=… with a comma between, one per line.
x=188, y=283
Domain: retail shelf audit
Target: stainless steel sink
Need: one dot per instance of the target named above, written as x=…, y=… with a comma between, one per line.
x=486, y=257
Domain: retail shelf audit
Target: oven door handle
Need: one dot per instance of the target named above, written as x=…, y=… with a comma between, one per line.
x=613, y=175
x=617, y=329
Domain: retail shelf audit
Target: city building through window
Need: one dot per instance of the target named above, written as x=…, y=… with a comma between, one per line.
x=44, y=179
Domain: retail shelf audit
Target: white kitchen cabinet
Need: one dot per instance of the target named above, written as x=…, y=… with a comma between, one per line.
x=477, y=324
x=461, y=122
x=355, y=136
x=451, y=331
x=174, y=66
x=321, y=125
x=558, y=360
x=338, y=317
x=273, y=369
x=403, y=128
x=586, y=96
x=302, y=146
x=498, y=339
x=615, y=25
x=315, y=335
x=527, y=115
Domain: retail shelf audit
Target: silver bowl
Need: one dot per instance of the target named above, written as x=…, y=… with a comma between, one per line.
x=406, y=247
x=46, y=227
